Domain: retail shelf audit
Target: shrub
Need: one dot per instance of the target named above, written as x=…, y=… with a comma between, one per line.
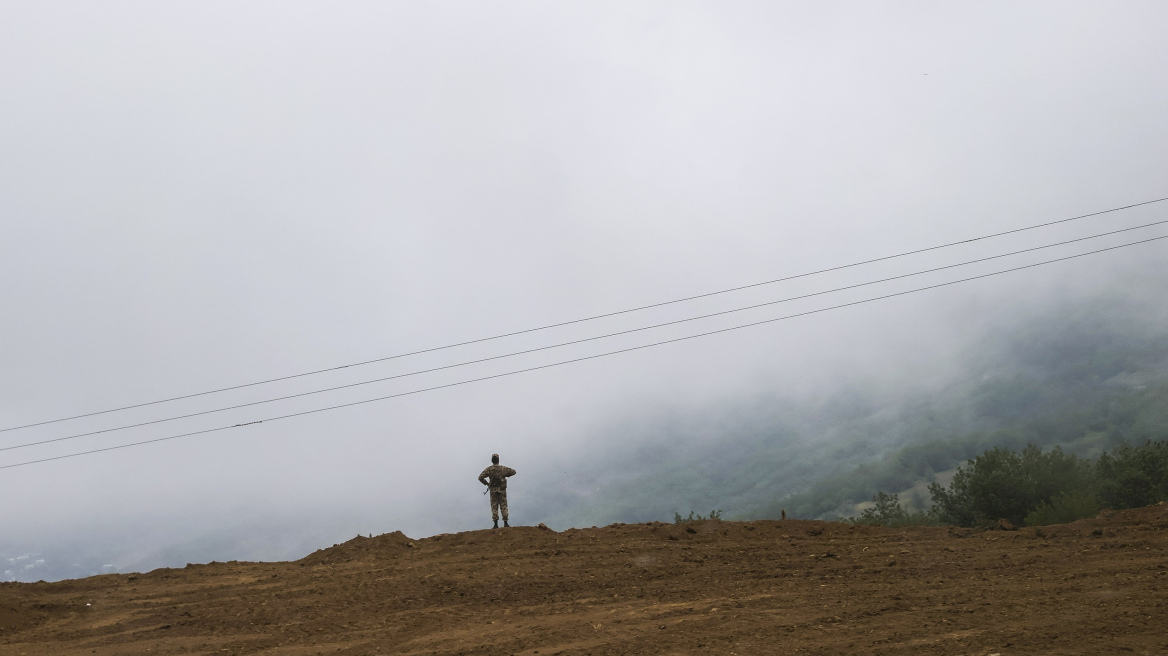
x=695, y=517
x=1064, y=508
x=888, y=512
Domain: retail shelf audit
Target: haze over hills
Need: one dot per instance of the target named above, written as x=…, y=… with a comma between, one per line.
x=1084, y=374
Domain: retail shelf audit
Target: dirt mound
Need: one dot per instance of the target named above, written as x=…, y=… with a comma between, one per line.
x=1094, y=586
x=359, y=548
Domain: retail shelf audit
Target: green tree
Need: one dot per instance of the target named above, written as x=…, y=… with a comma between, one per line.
x=1134, y=477
x=1007, y=484
x=886, y=512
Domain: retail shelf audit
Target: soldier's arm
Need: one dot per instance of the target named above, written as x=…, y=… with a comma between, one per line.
x=483, y=477
x=507, y=471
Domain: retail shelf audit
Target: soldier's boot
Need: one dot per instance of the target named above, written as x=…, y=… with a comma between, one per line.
x=506, y=524
x=497, y=523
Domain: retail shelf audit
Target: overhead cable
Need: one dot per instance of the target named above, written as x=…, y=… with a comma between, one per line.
x=572, y=342
x=583, y=319
x=581, y=359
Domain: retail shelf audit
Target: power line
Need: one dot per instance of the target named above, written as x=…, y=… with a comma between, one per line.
x=572, y=342
x=581, y=359
x=581, y=320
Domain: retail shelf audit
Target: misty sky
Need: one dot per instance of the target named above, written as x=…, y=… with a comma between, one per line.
x=198, y=195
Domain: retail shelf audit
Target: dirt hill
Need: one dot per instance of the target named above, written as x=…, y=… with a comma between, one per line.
x=1095, y=586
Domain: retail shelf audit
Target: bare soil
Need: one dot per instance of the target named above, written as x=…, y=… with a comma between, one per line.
x=1097, y=586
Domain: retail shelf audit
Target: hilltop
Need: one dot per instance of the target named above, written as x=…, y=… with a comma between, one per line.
x=793, y=586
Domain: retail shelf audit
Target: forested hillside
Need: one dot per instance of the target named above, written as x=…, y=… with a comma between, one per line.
x=1085, y=376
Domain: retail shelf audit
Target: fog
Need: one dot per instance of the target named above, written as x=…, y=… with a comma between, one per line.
x=202, y=195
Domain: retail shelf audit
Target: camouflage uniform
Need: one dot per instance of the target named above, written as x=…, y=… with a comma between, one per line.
x=497, y=475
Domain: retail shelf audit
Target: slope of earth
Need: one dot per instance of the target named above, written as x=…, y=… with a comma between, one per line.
x=1095, y=586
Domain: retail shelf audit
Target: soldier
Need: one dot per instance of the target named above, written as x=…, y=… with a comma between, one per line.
x=497, y=486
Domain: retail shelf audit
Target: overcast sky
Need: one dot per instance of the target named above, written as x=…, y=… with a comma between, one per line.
x=203, y=194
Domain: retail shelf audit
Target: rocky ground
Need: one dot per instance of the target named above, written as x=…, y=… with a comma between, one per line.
x=783, y=587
